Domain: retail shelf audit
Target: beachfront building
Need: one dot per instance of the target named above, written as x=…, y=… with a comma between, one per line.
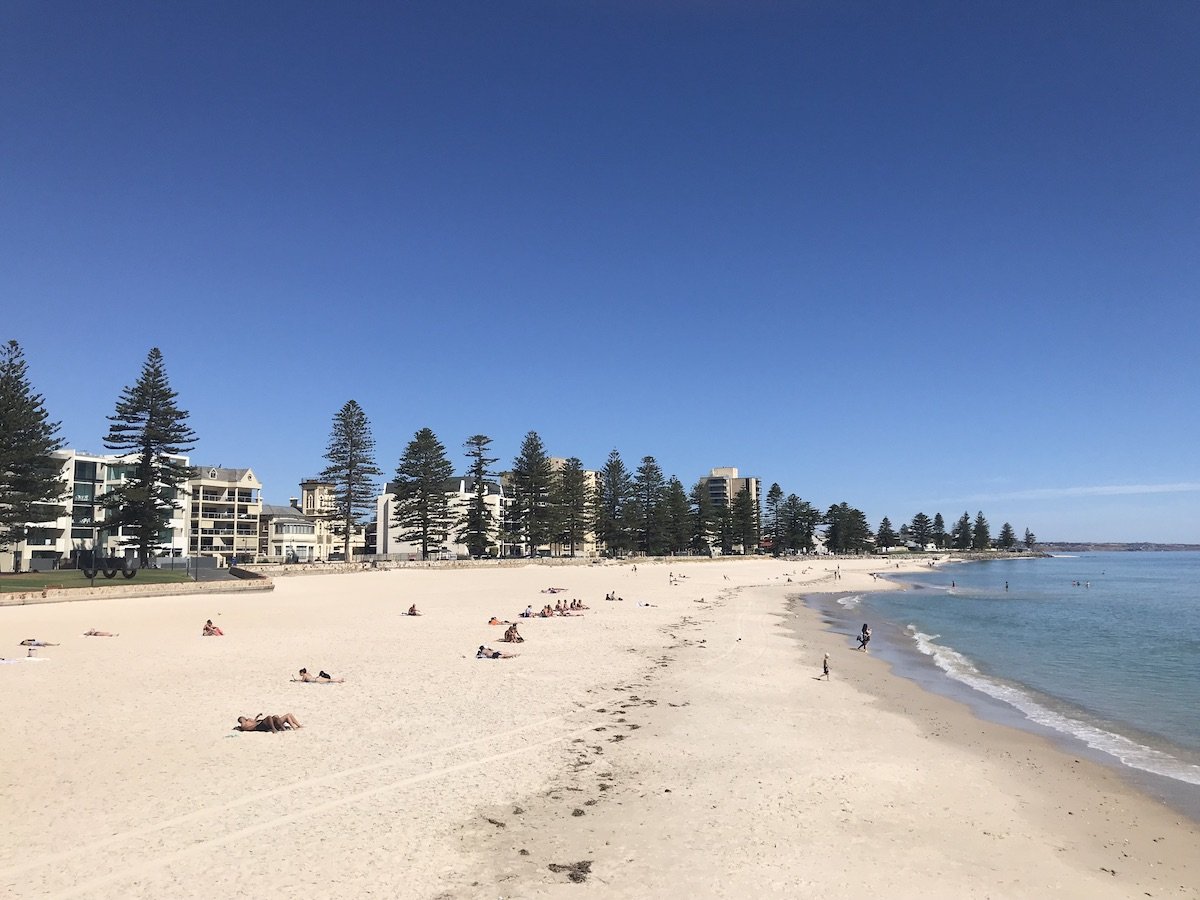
x=224, y=514
x=460, y=490
x=724, y=486
x=86, y=478
x=286, y=534
x=318, y=503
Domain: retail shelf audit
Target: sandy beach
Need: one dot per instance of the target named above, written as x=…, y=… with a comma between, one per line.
x=682, y=746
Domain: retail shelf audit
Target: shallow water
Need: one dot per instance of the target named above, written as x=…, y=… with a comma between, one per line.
x=1098, y=648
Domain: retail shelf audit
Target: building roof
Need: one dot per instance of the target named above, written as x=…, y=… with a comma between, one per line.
x=274, y=511
x=222, y=474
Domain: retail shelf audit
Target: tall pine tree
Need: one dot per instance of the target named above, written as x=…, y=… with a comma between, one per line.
x=981, y=537
x=351, y=471
x=30, y=478
x=531, y=511
x=703, y=518
x=477, y=524
x=772, y=529
x=614, y=490
x=677, y=517
x=960, y=537
x=646, y=507
x=744, y=519
x=572, y=499
x=422, y=504
x=149, y=428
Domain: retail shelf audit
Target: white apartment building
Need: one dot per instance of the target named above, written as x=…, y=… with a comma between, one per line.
x=223, y=514
x=86, y=478
x=460, y=490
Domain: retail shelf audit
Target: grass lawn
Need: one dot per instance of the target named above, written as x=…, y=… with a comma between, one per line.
x=73, y=578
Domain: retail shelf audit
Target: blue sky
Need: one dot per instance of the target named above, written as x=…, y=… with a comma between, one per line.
x=917, y=257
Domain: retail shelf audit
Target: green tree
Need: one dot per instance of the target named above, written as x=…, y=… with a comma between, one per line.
x=938, y=535
x=723, y=527
x=530, y=510
x=799, y=522
x=920, y=531
x=771, y=524
x=572, y=499
x=1008, y=537
x=475, y=529
x=702, y=518
x=614, y=491
x=1030, y=539
x=885, y=537
x=150, y=429
x=981, y=537
x=649, y=486
x=422, y=504
x=351, y=470
x=744, y=517
x=30, y=478
x=846, y=529
x=678, y=517
x=960, y=537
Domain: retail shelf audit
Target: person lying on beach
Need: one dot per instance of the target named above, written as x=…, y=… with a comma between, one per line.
x=553, y=590
x=511, y=636
x=267, y=723
x=34, y=642
x=92, y=632
x=488, y=653
x=644, y=603
x=211, y=630
x=412, y=610
x=322, y=678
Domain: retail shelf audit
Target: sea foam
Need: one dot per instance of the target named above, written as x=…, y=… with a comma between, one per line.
x=1130, y=753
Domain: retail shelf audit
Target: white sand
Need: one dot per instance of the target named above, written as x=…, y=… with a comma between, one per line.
x=739, y=775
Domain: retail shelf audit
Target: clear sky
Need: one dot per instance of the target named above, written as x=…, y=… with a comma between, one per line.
x=935, y=257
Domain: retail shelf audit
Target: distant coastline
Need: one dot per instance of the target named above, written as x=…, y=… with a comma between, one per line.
x=1087, y=546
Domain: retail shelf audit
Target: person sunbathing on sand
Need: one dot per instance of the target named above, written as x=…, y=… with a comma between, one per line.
x=488, y=653
x=92, y=632
x=322, y=678
x=211, y=630
x=512, y=636
x=34, y=642
x=267, y=723
x=412, y=610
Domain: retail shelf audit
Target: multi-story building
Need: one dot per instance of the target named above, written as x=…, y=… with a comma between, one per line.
x=723, y=485
x=224, y=511
x=86, y=478
x=317, y=502
x=460, y=491
x=286, y=534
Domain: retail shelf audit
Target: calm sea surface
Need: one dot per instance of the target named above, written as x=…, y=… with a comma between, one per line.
x=1102, y=648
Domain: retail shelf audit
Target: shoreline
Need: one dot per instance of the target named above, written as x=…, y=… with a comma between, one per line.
x=638, y=750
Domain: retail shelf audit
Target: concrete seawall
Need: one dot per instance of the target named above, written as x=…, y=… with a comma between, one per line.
x=108, y=592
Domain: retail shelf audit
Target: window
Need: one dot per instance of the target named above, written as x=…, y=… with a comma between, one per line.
x=85, y=471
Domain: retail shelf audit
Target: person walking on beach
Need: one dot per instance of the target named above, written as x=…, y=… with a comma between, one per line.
x=864, y=638
x=825, y=668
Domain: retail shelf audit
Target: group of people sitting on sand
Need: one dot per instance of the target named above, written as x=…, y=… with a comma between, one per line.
x=558, y=609
x=612, y=595
x=511, y=636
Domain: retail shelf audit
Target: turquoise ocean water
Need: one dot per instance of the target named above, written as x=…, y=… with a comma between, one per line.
x=1098, y=649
